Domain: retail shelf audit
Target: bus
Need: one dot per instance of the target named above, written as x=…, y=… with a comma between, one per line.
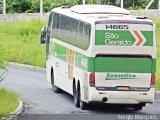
x=101, y=54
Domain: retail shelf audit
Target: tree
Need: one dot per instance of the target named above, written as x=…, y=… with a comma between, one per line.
x=32, y=6
x=18, y=6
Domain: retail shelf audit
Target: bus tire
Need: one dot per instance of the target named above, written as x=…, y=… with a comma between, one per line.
x=76, y=97
x=54, y=88
x=84, y=105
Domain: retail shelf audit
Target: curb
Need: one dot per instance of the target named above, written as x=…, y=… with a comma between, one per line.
x=15, y=113
x=35, y=68
x=18, y=109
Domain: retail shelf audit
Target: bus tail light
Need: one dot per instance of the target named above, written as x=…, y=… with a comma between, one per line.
x=92, y=79
x=153, y=78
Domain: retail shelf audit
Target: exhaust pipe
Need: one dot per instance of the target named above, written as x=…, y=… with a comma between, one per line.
x=104, y=99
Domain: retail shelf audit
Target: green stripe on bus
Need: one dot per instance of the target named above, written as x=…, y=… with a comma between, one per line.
x=90, y=63
x=121, y=38
x=82, y=61
x=118, y=64
x=59, y=51
x=149, y=37
x=115, y=38
x=154, y=61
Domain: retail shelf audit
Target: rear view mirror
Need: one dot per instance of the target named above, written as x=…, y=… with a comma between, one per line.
x=43, y=35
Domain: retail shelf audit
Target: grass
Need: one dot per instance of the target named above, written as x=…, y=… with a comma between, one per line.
x=8, y=102
x=158, y=53
x=19, y=41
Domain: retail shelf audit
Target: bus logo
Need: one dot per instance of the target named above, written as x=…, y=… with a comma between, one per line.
x=84, y=62
x=119, y=76
x=114, y=39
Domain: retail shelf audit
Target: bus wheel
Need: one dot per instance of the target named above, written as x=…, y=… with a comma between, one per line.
x=138, y=107
x=54, y=88
x=84, y=105
x=76, y=97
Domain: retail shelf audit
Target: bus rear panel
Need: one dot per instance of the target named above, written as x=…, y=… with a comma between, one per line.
x=124, y=64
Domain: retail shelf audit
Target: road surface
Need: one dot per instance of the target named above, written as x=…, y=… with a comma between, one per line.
x=38, y=98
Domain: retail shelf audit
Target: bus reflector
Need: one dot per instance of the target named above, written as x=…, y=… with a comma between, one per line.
x=92, y=79
x=153, y=78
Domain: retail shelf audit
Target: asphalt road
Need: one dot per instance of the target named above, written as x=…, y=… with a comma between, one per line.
x=39, y=100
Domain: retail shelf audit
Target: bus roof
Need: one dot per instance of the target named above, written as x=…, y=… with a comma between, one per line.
x=93, y=13
x=100, y=9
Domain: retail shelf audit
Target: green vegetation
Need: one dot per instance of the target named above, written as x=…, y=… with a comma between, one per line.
x=158, y=54
x=31, y=6
x=8, y=102
x=2, y=63
x=20, y=42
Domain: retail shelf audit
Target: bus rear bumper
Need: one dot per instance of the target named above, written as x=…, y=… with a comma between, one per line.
x=121, y=97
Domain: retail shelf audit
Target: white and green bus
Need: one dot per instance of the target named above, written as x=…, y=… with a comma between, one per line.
x=101, y=53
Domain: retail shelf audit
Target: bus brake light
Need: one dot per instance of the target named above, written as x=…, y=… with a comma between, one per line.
x=153, y=78
x=92, y=79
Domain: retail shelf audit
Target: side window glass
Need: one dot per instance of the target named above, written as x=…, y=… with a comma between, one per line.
x=80, y=38
x=50, y=20
x=71, y=31
x=55, y=21
x=84, y=35
x=48, y=42
x=66, y=28
x=62, y=27
x=74, y=32
x=87, y=31
x=55, y=25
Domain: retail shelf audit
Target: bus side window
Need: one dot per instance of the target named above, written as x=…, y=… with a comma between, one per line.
x=48, y=45
x=87, y=31
x=55, y=25
x=84, y=35
x=80, y=38
x=50, y=20
x=67, y=29
x=71, y=31
x=55, y=21
x=74, y=31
